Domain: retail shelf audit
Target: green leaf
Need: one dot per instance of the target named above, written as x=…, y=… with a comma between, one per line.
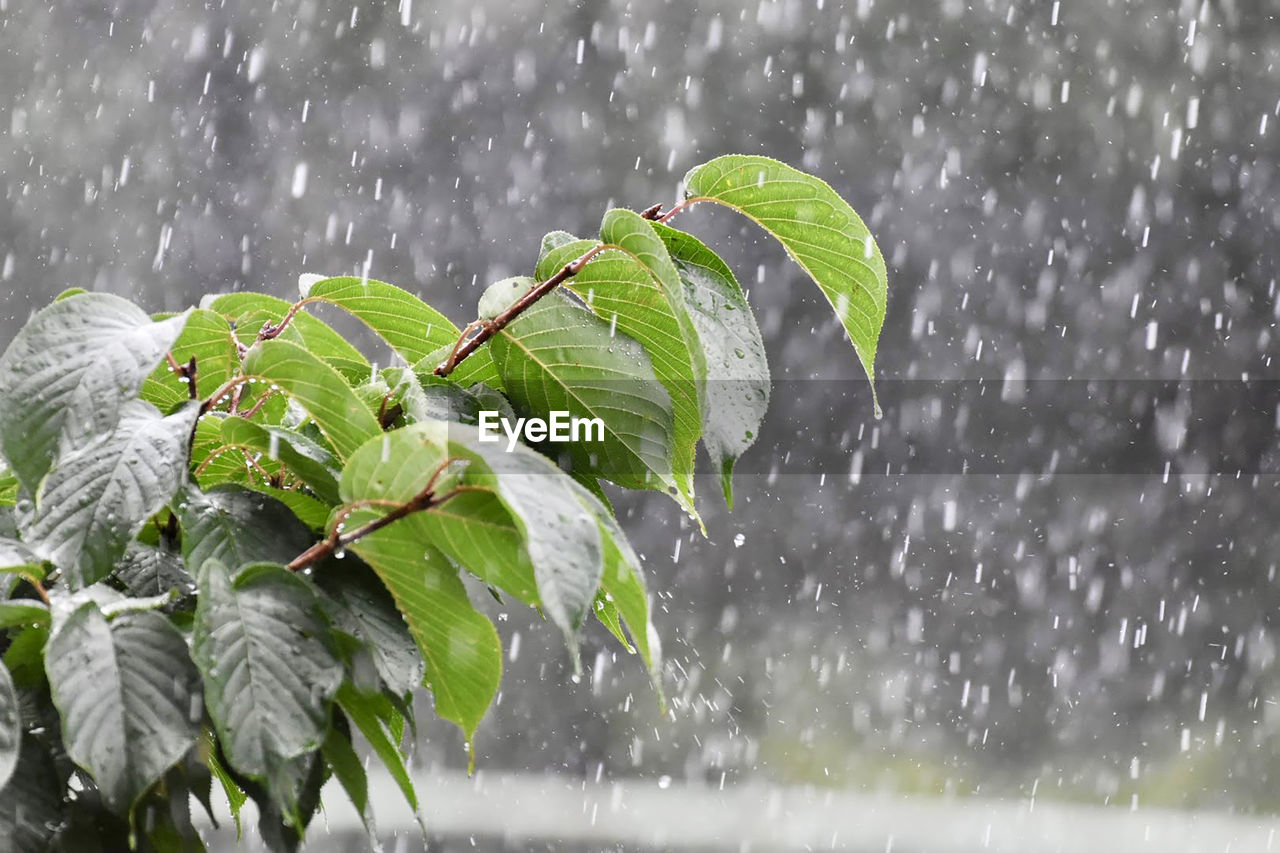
x=557, y=356
x=97, y=498
x=476, y=531
x=268, y=664
x=328, y=399
x=8, y=486
x=635, y=285
x=309, y=461
x=310, y=511
x=459, y=645
x=25, y=656
x=817, y=228
x=236, y=526
x=127, y=693
x=608, y=616
x=214, y=463
x=561, y=537
x=207, y=338
x=236, y=797
x=415, y=330
x=23, y=611
x=622, y=585
x=17, y=560
x=737, y=372
x=362, y=710
x=68, y=373
x=147, y=571
x=248, y=311
x=349, y=770
x=10, y=727
x=31, y=803
x=358, y=603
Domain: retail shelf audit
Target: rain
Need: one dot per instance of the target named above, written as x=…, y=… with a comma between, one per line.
x=1034, y=606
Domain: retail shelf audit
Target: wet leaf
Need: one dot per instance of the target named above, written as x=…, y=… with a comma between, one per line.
x=818, y=229
x=97, y=498
x=268, y=663
x=68, y=374
x=345, y=421
x=128, y=696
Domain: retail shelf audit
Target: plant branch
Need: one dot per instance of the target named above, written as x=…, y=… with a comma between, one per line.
x=271, y=330
x=226, y=389
x=423, y=500
x=487, y=328
x=253, y=410
x=682, y=206
x=185, y=372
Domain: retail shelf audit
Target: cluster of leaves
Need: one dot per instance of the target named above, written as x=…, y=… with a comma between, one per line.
x=229, y=543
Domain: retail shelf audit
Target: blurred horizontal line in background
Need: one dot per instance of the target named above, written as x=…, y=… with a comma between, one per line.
x=645, y=813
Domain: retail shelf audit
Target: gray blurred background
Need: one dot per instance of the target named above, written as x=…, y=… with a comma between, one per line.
x=1075, y=190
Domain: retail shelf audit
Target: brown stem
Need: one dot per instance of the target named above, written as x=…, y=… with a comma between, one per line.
x=226, y=389
x=253, y=410
x=423, y=500
x=39, y=588
x=652, y=213
x=186, y=371
x=270, y=330
x=488, y=328
x=682, y=206
x=190, y=369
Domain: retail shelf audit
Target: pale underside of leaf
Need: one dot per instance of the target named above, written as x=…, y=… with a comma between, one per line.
x=269, y=670
x=68, y=372
x=235, y=526
x=128, y=696
x=95, y=500
x=10, y=727
x=737, y=371
x=560, y=536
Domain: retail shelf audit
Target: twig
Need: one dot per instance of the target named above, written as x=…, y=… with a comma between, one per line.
x=185, y=371
x=418, y=503
x=253, y=410
x=38, y=587
x=652, y=213
x=488, y=328
x=270, y=330
x=423, y=500
x=226, y=389
x=682, y=206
